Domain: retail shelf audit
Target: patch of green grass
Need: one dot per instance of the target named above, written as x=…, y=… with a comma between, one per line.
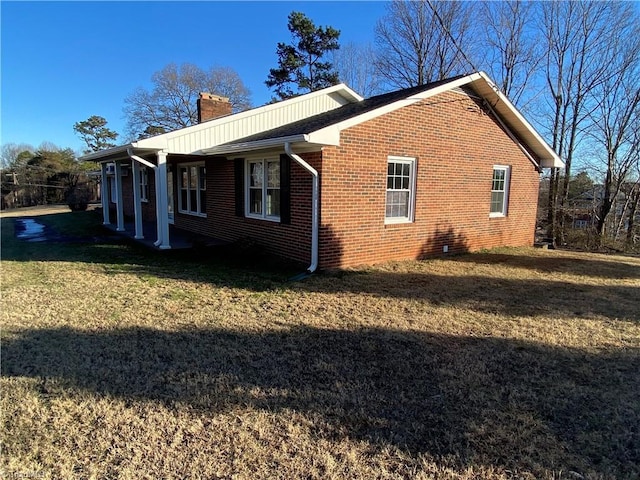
x=515, y=363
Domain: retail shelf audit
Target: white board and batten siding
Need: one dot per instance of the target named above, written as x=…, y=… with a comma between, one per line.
x=233, y=127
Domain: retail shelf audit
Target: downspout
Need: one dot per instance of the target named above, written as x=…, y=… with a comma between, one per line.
x=315, y=207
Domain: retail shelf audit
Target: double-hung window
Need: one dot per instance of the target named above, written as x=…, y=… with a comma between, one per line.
x=499, y=191
x=144, y=184
x=193, y=189
x=263, y=189
x=401, y=190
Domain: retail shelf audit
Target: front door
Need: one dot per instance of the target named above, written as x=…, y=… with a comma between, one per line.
x=170, y=194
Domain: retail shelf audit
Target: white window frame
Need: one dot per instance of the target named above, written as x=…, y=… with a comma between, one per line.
x=188, y=208
x=410, y=217
x=505, y=200
x=143, y=184
x=265, y=186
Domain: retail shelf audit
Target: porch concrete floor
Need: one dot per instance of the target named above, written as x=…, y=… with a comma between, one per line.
x=178, y=239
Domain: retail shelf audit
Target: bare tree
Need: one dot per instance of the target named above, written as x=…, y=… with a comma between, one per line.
x=513, y=49
x=420, y=41
x=578, y=37
x=355, y=64
x=633, y=209
x=615, y=129
x=172, y=103
x=12, y=153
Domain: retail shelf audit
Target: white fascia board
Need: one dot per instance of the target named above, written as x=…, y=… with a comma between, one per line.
x=345, y=92
x=405, y=102
x=250, y=146
x=103, y=154
x=326, y=136
x=548, y=157
x=140, y=147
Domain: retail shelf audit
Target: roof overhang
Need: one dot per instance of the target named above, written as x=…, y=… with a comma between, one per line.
x=481, y=84
x=521, y=130
x=119, y=153
x=534, y=142
x=304, y=141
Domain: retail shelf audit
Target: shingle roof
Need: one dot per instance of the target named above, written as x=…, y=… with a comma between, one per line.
x=345, y=112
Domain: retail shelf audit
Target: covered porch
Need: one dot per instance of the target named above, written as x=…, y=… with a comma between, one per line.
x=157, y=233
x=180, y=239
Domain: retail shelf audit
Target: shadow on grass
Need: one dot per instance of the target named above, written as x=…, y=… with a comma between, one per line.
x=494, y=295
x=590, y=267
x=230, y=265
x=519, y=405
x=225, y=266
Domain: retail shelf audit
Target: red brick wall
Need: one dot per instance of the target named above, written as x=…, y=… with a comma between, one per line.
x=293, y=241
x=456, y=145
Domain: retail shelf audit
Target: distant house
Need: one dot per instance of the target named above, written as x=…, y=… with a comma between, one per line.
x=335, y=180
x=582, y=210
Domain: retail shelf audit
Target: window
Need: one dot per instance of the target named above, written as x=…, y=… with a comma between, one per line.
x=400, y=190
x=144, y=184
x=263, y=189
x=499, y=191
x=193, y=190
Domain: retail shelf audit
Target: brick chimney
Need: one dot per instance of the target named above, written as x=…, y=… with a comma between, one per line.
x=212, y=106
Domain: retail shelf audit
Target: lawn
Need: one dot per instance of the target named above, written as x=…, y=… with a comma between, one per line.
x=118, y=363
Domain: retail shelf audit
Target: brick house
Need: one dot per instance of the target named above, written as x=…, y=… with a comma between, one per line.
x=335, y=180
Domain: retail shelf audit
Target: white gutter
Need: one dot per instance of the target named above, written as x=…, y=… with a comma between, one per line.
x=95, y=156
x=257, y=145
x=315, y=208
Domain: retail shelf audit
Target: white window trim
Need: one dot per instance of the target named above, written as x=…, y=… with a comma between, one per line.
x=183, y=209
x=505, y=201
x=143, y=184
x=247, y=188
x=410, y=218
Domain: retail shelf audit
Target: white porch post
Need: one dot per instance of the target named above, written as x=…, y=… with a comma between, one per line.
x=119, y=205
x=137, y=200
x=162, y=202
x=104, y=194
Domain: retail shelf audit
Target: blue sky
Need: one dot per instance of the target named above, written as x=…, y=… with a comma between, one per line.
x=65, y=61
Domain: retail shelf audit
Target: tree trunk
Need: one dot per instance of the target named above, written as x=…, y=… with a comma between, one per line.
x=552, y=217
x=605, y=205
x=632, y=213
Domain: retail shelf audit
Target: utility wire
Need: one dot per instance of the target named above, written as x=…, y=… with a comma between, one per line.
x=448, y=33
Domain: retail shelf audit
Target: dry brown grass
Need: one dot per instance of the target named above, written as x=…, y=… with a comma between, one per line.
x=121, y=364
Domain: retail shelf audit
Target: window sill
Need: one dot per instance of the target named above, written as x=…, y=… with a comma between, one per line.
x=497, y=215
x=193, y=214
x=399, y=221
x=266, y=219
